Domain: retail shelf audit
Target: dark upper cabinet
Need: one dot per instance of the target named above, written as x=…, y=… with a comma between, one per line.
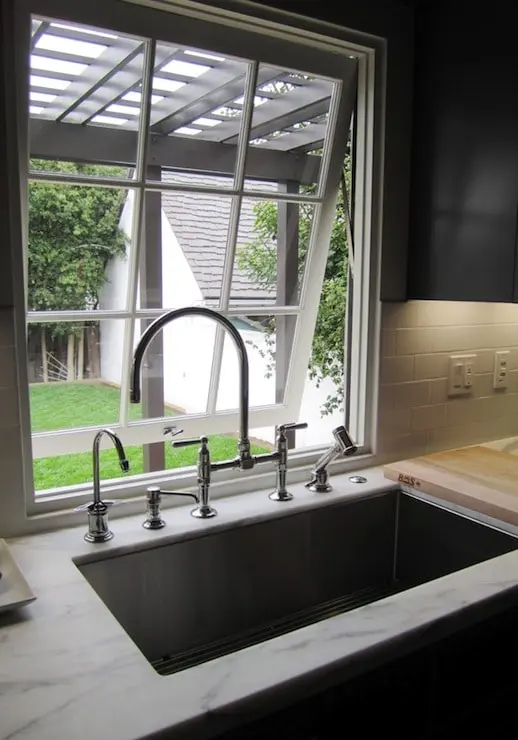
x=464, y=184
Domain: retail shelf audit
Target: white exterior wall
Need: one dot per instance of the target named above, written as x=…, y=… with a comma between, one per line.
x=113, y=296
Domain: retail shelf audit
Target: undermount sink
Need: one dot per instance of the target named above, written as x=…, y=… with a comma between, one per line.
x=190, y=601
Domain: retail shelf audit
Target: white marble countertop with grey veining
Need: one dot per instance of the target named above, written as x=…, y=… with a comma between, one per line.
x=69, y=671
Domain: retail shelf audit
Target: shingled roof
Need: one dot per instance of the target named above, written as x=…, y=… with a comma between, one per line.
x=200, y=223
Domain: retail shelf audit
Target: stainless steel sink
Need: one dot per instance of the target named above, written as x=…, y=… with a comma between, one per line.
x=191, y=601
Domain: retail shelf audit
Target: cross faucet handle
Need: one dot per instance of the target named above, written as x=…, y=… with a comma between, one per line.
x=287, y=427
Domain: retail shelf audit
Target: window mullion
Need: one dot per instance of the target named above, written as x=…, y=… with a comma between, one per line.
x=362, y=308
x=233, y=228
x=174, y=187
x=93, y=181
x=136, y=228
x=246, y=124
x=40, y=317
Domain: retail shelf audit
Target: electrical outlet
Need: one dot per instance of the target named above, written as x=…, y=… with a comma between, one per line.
x=501, y=368
x=460, y=380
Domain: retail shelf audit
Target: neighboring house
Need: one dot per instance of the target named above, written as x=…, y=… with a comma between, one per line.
x=194, y=232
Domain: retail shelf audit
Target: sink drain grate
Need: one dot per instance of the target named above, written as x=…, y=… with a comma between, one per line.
x=194, y=656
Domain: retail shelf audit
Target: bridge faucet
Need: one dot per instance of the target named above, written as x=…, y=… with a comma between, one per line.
x=245, y=460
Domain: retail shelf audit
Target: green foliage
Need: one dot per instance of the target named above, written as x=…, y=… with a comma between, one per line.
x=258, y=259
x=73, y=233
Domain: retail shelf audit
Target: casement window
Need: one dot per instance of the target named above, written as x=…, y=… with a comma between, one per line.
x=182, y=156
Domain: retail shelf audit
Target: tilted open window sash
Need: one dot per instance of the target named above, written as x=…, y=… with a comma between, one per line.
x=211, y=140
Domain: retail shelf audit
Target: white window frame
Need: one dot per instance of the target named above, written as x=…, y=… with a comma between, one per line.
x=366, y=219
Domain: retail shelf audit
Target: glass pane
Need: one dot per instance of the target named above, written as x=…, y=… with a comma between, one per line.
x=74, y=374
x=78, y=242
x=195, y=95
x=268, y=342
x=176, y=369
x=270, y=252
x=289, y=126
x=82, y=75
x=183, y=250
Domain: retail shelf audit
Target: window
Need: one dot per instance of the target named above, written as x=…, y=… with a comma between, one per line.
x=167, y=172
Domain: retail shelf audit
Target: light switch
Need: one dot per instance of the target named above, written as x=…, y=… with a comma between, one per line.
x=501, y=368
x=460, y=381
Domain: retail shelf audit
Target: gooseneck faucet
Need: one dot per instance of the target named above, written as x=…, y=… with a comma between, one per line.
x=98, y=530
x=245, y=460
x=124, y=464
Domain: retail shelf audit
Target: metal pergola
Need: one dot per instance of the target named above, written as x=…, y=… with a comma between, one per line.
x=85, y=90
x=85, y=94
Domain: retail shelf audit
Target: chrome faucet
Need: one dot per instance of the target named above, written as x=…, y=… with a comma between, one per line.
x=280, y=493
x=98, y=530
x=154, y=494
x=343, y=445
x=244, y=461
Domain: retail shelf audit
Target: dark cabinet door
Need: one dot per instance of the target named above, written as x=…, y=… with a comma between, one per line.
x=465, y=155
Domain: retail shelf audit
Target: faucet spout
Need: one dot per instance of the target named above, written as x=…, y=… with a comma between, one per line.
x=245, y=458
x=123, y=462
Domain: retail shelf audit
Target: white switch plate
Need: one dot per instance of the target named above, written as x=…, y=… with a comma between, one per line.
x=501, y=369
x=460, y=378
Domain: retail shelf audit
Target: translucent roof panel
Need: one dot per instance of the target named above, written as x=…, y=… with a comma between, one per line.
x=84, y=67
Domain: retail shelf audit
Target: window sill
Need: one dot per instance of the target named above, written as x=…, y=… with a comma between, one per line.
x=57, y=510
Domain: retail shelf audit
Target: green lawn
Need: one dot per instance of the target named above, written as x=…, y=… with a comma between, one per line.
x=84, y=403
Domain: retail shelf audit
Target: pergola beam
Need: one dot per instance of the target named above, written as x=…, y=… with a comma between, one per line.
x=215, y=89
x=298, y=105
x=285, y=120
x=103, y=145
x=151, y=296
x=309, y=138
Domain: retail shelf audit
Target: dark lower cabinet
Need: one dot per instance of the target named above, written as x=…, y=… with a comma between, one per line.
x=465, y=686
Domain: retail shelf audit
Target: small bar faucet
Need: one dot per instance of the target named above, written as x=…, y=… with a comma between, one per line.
x=98, y=530
x=343, y=445
x=245, y=460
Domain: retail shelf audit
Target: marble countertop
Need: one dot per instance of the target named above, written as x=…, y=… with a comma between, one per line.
x=68, y=669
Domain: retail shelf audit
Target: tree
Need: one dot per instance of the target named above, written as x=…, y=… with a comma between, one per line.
x=258, y=259
x=73, y=233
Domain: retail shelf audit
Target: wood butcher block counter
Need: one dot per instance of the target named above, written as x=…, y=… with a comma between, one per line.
x=482, y=477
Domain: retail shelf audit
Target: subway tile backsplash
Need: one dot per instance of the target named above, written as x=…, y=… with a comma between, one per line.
x=415, y=413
